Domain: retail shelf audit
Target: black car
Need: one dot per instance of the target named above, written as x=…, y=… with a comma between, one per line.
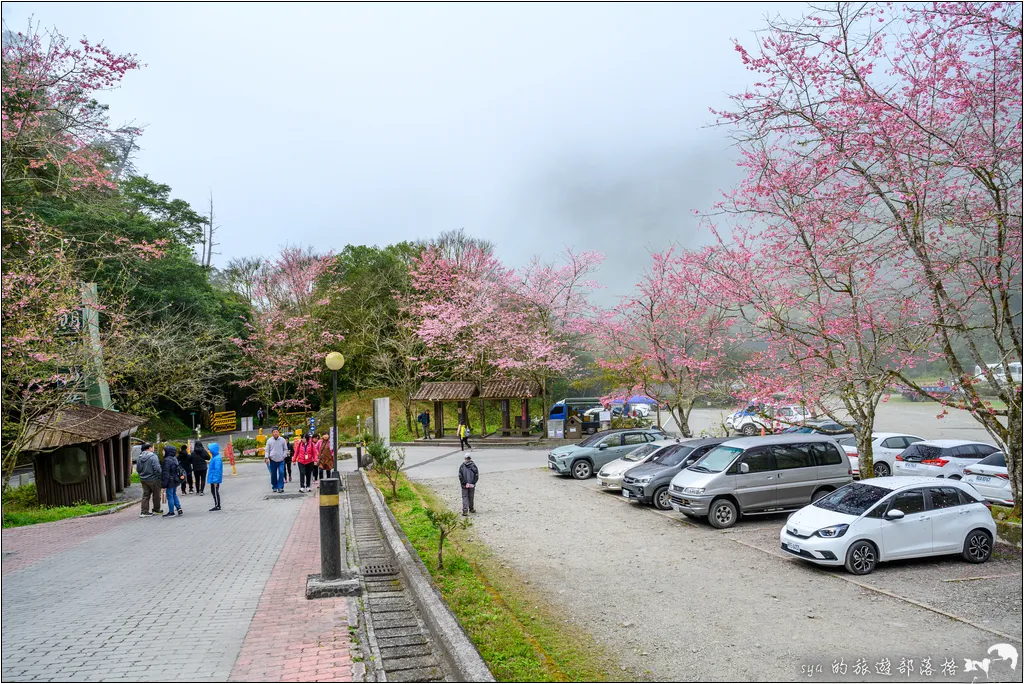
x=648, y=482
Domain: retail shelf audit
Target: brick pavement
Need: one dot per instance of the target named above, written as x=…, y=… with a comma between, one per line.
x=124, y=598
x=292, y=639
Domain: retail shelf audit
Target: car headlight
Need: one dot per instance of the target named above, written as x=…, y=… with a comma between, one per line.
x=693, y=490
x=642, y=480
x=833, y=531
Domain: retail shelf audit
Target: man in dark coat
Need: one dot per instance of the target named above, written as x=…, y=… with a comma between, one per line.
x=170, y=479
x=200, y=462
x=468, y=477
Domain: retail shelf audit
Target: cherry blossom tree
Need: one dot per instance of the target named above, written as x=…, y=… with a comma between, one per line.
x=906, y=122
x=283, y=352
x=670, y=340
x=55, y=135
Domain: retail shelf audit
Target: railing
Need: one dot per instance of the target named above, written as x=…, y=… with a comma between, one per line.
x=224, y=421
x=293, y=419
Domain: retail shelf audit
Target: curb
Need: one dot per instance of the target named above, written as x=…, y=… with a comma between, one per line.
x=460, y=655
x=114, y=509
x=1008, y=533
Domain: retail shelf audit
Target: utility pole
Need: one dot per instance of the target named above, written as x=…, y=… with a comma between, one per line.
x=209, y=243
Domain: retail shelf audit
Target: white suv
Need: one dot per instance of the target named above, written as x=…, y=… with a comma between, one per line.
x=941, y=458
x=771, y=419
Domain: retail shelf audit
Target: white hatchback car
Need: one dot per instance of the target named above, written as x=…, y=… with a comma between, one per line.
x=991, y=478
x=611, y=474
x=884, y=448
x=887, y=518
x=940, y=458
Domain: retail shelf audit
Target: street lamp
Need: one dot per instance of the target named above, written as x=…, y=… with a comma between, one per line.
x=335, y=361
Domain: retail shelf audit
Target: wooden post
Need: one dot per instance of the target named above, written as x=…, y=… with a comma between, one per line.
x=526, y=417
x=439, y=419
x=506, y=428
x=116, y=464
x=126, y=455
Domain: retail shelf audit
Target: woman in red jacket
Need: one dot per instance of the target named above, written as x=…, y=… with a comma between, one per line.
x=305, y=456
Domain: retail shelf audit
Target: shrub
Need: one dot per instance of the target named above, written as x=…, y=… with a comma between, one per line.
x=445, y=522
x=387, y=461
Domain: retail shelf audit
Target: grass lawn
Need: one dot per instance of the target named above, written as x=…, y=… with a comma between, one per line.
x=518, y=632
x=20, y=508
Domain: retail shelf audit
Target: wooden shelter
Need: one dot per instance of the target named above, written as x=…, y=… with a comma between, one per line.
x=505, y=391
x=82, y=453
x=440, y=392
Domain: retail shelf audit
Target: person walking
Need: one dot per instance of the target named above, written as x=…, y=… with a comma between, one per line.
x=325, y=456
x=469, y=475
x=185, y=461
x=424, y=420
x=150, y=474
x=215, y=474
x=289, y=458
x=171, y=476
x=200, y=458
x=304, y=457
x=275, y=452
x=464, y=437
x=259, y=417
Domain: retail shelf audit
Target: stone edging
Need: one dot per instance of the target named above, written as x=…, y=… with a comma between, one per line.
x=460, y=655
x=112, y=509
x=1008, y=533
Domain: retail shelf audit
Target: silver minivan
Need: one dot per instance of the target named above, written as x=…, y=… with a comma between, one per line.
x=759, y=475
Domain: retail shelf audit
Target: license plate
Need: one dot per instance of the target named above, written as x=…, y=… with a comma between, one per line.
x=910, y=465
x=605, y=484
x=625, y=493
x=982, y=478
x=793, y=547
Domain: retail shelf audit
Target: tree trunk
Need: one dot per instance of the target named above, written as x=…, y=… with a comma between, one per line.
x=865, y=454
x=483, y=419
x=408, y=417
x=545, y=410
x=1013, y=455
x=682, y=420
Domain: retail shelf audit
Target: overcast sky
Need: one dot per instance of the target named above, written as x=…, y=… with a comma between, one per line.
x=536, y=126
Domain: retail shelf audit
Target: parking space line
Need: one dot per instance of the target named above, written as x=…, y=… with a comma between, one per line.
x=974, y=579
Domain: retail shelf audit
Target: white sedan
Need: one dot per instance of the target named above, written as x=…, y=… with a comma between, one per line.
x=884, y=448
x=945, y=458
x=611, y=474
x=991, y=478
x=887, y=518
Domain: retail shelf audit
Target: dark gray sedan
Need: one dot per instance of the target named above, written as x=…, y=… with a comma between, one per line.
x=648, y=482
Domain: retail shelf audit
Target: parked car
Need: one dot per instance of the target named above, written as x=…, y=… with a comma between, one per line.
x=584, y=459
x=887, y=518
x=991, y=478
x=759, y=475
x=756, y=417
x=610, y=475
x=940, y=458
x=648, y=483
x=884, y=447
x=819, y=427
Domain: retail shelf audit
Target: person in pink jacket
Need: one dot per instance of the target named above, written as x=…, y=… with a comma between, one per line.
x=305, y=456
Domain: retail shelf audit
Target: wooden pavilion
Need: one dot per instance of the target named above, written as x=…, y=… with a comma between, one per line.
x=506, y=390
x=82, y=453
x=440, y=392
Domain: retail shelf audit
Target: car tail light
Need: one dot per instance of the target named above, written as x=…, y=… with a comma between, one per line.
x=1004, y=476
x=968, y=471
x=935, y=461
x=899, y=457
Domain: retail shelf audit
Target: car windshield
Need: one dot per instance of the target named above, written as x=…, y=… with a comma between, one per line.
x=672, y=455
x=996, y=459
x=848, y=440
x=717, y=460
x=641, y=453
x=853, y=499
x=921, y=452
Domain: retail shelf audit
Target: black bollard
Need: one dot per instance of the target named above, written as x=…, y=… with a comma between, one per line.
x=330, y=530
x=359, y=456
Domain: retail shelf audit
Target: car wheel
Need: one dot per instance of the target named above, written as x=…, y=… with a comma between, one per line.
x=882, y=470
x=749, y=430
x=818, y=493
x=581, y=470
x=723, y=514
x=661, y=500
x=977, y=547
x=861, y=557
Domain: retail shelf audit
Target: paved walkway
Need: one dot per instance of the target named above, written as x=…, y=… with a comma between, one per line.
x=120, y=597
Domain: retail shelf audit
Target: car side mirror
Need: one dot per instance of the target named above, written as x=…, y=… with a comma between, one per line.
x=744, y=468
x=894, y=514
x=602, y=447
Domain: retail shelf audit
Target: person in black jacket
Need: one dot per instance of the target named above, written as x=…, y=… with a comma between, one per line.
x=200, y=458
x=468, y=477
x=170, y=480
x=185, y=461
x=288, y=460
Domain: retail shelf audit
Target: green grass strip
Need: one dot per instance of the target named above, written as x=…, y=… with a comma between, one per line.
x=518, y=632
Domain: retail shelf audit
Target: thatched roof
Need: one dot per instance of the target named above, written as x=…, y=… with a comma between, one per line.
x=78, y=424
x=445, y=391
x=510, y=389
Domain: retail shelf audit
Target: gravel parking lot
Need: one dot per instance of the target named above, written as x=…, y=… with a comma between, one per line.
x=681, y=601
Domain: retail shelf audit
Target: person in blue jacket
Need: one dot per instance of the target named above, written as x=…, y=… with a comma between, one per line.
x=170, y=478
x=215, y=474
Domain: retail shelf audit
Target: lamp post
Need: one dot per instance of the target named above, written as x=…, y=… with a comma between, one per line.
x=335, y=361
